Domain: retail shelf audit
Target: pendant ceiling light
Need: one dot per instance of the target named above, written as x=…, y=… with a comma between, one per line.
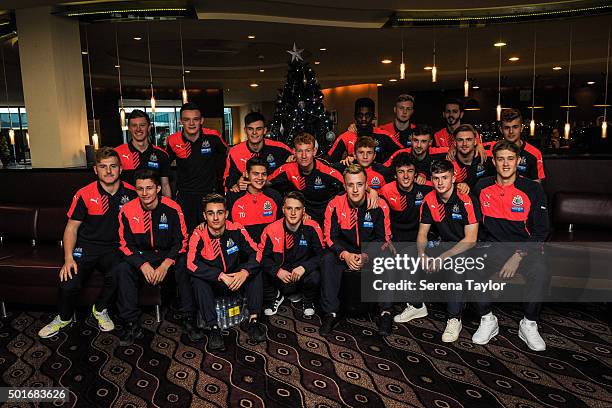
x=604, y=123
x=532, y=125
x=184, y=92
x=95, y=141
x=498, y=109
x=121, y=108
x=567, y=127
x=466, y=83
x=150, y=73
x=434, y=68
x=402, y=65
x=11, y=131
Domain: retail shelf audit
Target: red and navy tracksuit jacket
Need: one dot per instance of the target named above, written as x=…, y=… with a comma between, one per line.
x=347, y=227
x=282, y=248
x=254, y=211
x=152, y=234
x=132, y=159
x=273, y=152
x=471, y=173
x=345, y=143
x=199, y=164
x=403, y=137
x=319, y=186
x=404, y=209
x=98, y=211
x=531, y=163
x=377, y=174
x=451, y=217
x=423, y=167
x=513, y=213
x=229, y=253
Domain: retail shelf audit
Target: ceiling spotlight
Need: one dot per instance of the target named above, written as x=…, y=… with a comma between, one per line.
x=378, y=84
x=138, y=38
x=557, y=68
x=322, y=49
x=386, y=61
x=84, y=52
x=499, y=44
x=591, y=83
x=117, y=66
x=254, y=85
x=251, y=37
x=187, y=71
x=262, y=70
x=428, y=68
x=513, y=59
x=475, y=87
x=393, y=80
x=317, y=62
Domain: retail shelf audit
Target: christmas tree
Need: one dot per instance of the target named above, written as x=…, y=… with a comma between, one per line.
x=299, y=106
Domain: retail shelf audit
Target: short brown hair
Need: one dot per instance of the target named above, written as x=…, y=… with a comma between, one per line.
x=508, y=115
x=465, y=128
x=296, y=195
x=105, y=153
x=304, y=138
x=506, y=145
x=213, y=198
x=365, y=141
x=354, y=169
x=404, y=98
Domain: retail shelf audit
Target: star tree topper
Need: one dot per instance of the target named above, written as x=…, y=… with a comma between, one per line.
x=296, y=53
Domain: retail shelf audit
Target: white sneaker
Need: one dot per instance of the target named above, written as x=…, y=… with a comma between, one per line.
x=528, y=332
x=411, y=312
x=105, y=323
x=452, y=330
x=487, y=330
x=273, y=309
x=53, y=327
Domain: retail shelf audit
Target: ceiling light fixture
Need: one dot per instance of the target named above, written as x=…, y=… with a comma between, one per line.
x=138, y=38
x=153, y=102
x=184, y=94
x=322, y=49
x=532, y=124
x=434, y=69
x=513, y=59
x=591, y=83
x=428, y=68
x=84, y=52
x=11, y=132
x=402, y=65
x=604, y=123
x=466, y=83
x=379, y=84
x=498, y=108
x=251, y=37
x=475, y=87
x=317, y=62
x=566, y=128
x=122, y=121
x=262, y=70
x=95, y=141
x=393, y=80
x=499, y=44
x=386, y=61
x=557, y=68
x=254, y=85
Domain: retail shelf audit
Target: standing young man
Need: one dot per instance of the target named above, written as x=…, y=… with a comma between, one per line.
x=514, y=211
x=91, y=240
x=315, y=179
x=452, y=114
x=364, y=122
x=401, y=127
x=290, y=253
x=273, y=152
x=349, y=224
x=153, y=238
x=139, y=153
x=258, y=205
x=200, y=156
x=456, y=219
x=223, y=259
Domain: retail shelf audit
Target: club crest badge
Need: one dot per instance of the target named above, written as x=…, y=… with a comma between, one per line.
x=267, y=207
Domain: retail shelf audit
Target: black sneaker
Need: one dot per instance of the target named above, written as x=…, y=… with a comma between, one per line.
x=254, y=329
x=215, y=339
x=272, y=309
x=385, y=324
x=330, y=321
x=190, y=327
x=295, y=297
x=131, y=332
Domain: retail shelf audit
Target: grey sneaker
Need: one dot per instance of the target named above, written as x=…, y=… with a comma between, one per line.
x=53, y=327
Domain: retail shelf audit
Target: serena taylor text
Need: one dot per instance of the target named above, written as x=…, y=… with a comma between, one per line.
x=423, y=284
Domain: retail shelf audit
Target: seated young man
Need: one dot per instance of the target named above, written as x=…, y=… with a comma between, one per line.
x=514, y=210
x=91, y=241
x=365, y=155
x=153, y=238
x=456, y=219
x=223, y=259
x=258, y=205
x=314, y=178
x=290, y=253
x=348, y=224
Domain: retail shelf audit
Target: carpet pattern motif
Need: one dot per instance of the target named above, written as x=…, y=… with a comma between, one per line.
x=296, y=367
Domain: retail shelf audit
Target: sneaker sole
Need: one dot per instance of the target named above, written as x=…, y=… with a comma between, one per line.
x=482, y=343
x=296, y=300
x=309, y=313
x=452, y=340
x=48, y=335
x=102, y=329
x=527, y=343
x=419, y=315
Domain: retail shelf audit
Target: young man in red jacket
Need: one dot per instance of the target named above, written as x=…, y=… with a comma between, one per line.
x=290, y=253
x=222, y=259
x=401, y=127
x=348, y=224
x=91, y=240
x=365, y=155
x=153, y=239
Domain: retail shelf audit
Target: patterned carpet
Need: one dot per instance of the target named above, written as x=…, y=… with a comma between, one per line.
x=296, y=367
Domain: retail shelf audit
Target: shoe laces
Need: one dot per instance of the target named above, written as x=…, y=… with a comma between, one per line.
x=103, y=315
x=453, y=323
